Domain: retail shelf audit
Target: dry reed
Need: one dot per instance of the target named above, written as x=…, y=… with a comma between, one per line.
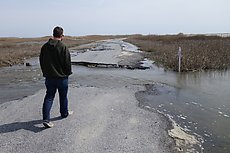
x=199, y=52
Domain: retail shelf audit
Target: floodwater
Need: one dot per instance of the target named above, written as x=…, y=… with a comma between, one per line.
x=197, y=101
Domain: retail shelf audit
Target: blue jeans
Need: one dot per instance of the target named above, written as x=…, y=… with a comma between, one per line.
x=52, y=85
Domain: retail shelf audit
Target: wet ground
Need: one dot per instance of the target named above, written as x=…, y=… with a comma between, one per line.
x=19, y=81
x=198, y=101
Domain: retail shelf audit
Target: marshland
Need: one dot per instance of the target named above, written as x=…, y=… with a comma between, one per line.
x=199, y=52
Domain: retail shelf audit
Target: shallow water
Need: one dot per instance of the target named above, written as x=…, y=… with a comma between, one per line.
x=201, y=104
x=197, y=101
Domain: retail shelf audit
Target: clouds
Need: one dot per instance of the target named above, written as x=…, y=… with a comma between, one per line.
x=83, y=17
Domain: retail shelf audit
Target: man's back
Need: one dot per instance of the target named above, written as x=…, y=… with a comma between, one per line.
x=55, y=59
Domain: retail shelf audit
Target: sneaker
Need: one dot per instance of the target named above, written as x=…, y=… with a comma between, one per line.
x=48, y=124
x=69, y=113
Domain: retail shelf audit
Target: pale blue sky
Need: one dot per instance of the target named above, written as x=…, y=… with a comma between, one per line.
x=27, y=18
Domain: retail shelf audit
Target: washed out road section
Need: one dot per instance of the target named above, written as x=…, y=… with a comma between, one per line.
x=106, y=116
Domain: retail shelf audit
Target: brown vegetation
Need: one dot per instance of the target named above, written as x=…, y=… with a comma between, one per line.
x=199, y=52
x=16, y=50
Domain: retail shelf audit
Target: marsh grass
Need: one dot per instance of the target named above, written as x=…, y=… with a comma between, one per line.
x=199, y=52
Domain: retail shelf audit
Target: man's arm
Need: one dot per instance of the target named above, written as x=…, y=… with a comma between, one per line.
x=41, y=59
x=68, y=68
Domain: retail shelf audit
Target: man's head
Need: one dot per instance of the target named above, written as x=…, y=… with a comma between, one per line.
x=58, y=32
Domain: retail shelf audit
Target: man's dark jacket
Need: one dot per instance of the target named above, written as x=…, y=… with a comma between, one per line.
x=55, y=59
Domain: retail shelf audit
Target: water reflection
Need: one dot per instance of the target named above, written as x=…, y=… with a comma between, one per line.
x=199, y=78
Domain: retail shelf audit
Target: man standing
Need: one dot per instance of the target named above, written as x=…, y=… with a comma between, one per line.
x=56, y=67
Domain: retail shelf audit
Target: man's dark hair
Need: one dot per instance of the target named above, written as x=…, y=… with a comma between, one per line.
x=58, y=32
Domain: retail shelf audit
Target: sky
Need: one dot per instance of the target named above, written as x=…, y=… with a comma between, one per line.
x=30, y=18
